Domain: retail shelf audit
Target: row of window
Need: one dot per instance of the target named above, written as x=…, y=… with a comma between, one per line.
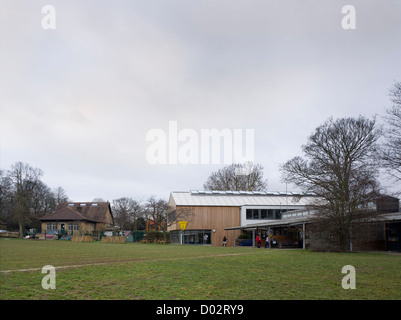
x=267, y=214
x=72, y=226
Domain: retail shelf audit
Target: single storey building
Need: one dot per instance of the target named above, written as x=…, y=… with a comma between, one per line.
x=74, y=217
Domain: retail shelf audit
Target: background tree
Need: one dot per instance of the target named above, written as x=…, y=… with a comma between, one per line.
x=5, y=196
x=60, y=195
x=159, y=212
x=156, y=211
x=24, y=197
x=338, y=167
x=42, y=202
x=126, y=212
x=391, y=151
x=24, y=180
x=237, y=177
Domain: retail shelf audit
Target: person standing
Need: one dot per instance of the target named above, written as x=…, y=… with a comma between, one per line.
x=267, y=243
x=258, y=242
x=224, y=241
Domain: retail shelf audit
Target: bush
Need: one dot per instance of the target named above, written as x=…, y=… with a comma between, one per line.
x=244, y=236
x=113, y=239
x=153, y=236
x=81, y=238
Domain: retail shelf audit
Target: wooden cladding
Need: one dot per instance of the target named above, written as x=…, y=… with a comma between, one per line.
x=210, y=218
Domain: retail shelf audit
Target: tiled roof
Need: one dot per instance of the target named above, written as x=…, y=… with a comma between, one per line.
x=66, y=214
x=89, y=211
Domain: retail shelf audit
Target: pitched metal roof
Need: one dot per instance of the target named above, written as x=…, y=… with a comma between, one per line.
x=240, y=198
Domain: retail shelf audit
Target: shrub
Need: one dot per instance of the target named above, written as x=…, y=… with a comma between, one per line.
x=113, y=239
x=81, y=238
x=153, y=236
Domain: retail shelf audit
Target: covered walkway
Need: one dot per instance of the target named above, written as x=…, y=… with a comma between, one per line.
x=390, y=230
x=296, y=223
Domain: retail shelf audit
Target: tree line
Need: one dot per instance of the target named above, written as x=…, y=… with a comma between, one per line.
x=25, y=198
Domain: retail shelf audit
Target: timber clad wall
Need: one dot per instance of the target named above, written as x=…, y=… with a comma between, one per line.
x=211, y=218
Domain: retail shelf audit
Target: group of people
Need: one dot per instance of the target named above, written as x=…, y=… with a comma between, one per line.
x=258, y=241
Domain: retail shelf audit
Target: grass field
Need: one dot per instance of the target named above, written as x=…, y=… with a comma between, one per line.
x=164, y=272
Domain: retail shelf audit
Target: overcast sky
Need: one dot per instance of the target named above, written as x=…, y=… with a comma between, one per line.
x=79, y=100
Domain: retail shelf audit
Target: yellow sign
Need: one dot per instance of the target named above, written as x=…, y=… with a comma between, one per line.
x=183, y=225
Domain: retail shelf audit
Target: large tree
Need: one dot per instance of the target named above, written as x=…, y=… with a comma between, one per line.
x=5, y=196
x=25, y=181
x=338, y=166
x=156, y=211
x=237, y=177
x=24, y=197
x=391, y=151
x=126, y=212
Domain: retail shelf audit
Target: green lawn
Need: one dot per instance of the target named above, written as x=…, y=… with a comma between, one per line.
x=144, y=271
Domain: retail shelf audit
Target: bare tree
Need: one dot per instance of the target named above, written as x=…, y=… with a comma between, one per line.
x=338, y=167
x=237, y=177
x=126, y=212
x=5, y=196
x=42, y=202
x=391, y=151
x=24, y=179
x=60, y=195
x=163, y=216
x=156, y=211
x=24, y=197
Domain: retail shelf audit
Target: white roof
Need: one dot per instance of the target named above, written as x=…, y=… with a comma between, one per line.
x=240, y=198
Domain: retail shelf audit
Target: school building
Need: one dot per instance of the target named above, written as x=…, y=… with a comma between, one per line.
x=213, y=215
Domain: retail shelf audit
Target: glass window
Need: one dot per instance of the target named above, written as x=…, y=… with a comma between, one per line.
x=248, y=214
x=263, y=214
x=171, y=217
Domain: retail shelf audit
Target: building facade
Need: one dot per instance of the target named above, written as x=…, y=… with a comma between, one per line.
x=78, y=217
x=210, y=214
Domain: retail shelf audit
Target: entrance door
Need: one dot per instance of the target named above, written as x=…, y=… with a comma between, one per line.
x=62, y=227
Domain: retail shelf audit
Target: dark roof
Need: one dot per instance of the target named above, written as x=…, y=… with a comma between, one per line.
x=89, y=211
x=66, y=214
